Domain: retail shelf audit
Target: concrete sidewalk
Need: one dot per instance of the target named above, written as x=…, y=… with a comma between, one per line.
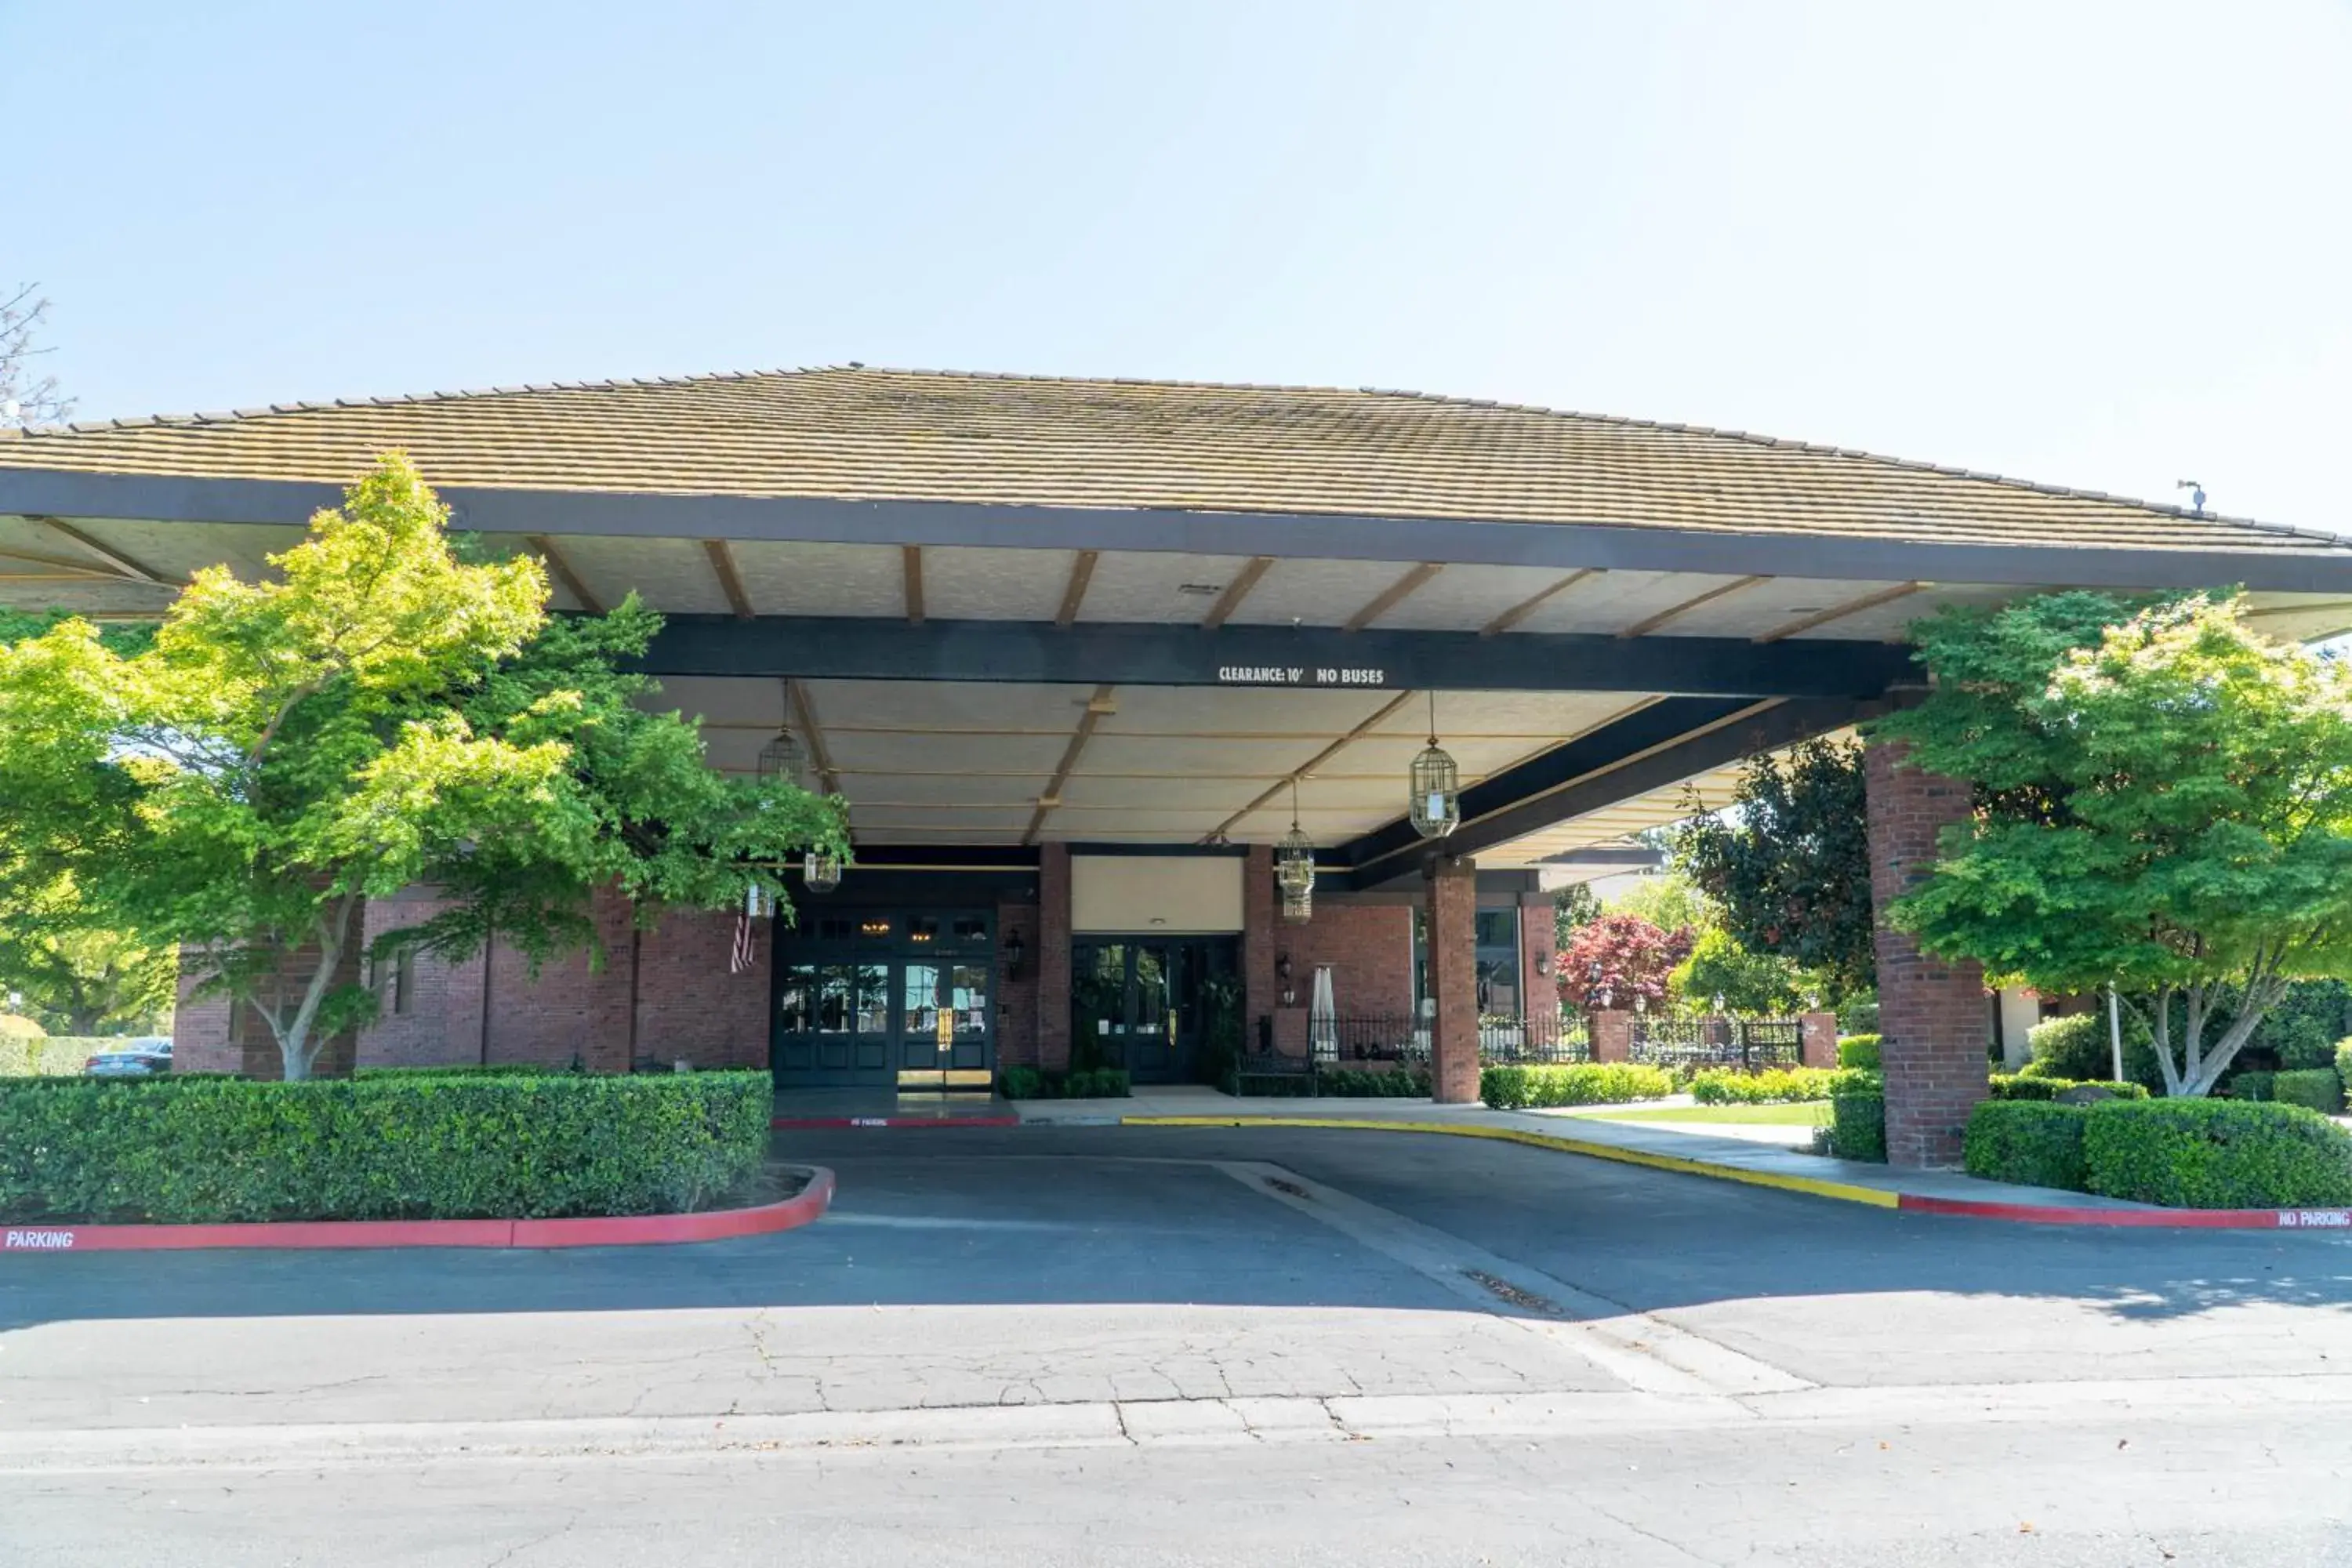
x=1579, y=1130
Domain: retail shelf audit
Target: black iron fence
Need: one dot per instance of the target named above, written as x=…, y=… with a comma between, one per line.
x=1403, y=1039
x=1750, y=1044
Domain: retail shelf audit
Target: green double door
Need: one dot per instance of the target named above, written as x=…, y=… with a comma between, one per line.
x=1142, y=1003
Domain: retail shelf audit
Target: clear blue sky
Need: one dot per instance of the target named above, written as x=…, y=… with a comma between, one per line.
x=2108, y=246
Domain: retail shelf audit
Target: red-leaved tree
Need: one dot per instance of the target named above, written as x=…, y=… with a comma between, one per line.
x=1617, y=958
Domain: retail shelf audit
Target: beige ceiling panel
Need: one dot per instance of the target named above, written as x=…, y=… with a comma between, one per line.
x=1010, y=817
x=1765, y=607
x=1615, y=600
x=886, y=753
x=965, y=584
x=1242, y=710
x=948, y=789
x=1467, y=598
x=37, y=588
x=1890, y=622
x=1109, y=752
x=822, y=579
x=1318, y=592
x=947, y=706
x=1155, y=794
x=720, y=700
x=1134, y=585
x=166, y=549
x=673, y=575
x=1475, y=756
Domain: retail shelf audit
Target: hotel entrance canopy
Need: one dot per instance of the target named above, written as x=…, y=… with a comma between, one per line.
x=1008, y=610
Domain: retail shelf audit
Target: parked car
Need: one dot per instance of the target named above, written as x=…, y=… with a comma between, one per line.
x=136, y=1058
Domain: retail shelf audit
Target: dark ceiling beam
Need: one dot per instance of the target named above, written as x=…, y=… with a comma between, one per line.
x=1235, y=592
x=1082, y=573
x=803, y=710
x=1098, y=707
x=124, y=565
x=730, y=581
x=1534, y=602
x=1392, y=596
x=545, y=549
x=850, y=648
x=2296, y=563
x=1653, y=748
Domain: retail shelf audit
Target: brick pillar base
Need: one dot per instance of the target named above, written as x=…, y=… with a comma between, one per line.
x=1611, y=1035
x=1053, y=957
x=1453, y=885
x=1931, y=1015
x=1817, y=1034
x=1261, y=996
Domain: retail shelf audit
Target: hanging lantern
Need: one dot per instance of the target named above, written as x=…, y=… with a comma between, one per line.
x=1293, y=867
x=1297, y=905
x=821, y=870
x=1436, y=807
x=760, y=902
x=783, y=758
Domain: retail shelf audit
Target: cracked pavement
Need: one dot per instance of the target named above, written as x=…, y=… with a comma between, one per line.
x=1199, y=1345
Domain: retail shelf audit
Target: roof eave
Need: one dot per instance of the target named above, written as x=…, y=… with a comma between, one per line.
x=1614, y=546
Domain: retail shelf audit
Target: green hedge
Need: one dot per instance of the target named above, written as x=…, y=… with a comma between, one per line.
x=1776, y=1086
x=427, y=1147
x=2030, y=1143
x=2077, y=1047
x=1086, y=1083
x=1594, y=1083
x=1370, y=1083
x=2252, y=1084
x=2315, y=1089
x=2344, y=1060
x=1859, y=1051
x=1858, y=1127
x=2217, y=1154
x=2034, y=1085
x=470, y=1069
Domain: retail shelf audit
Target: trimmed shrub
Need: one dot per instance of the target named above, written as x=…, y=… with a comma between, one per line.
x=1776, y=1086
x=2029, y=1143
x=2344, y=1060
x=1084, y=1083
x=2253, y=1083
x=2217, y=1154
x=1859, y=1051
x=1374, y=1083
x=1858, y=1127
x=2032, y=1086
x=2317, y=1089
x=468, y=1070
x=1590, y=1083
x=2076, y=1047
x=194, y=1150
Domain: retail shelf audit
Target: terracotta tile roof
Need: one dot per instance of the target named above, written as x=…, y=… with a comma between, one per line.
x=856, y=433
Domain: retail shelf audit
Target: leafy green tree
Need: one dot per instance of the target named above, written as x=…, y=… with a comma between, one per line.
x=1752, y=983
x=81, y=980
x=380, y=713
x=1788, y=865
x=2165, y=802
x=1572, y=908
x=1670, y=900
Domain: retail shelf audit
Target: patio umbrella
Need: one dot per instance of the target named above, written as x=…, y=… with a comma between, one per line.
x=1323, y=1019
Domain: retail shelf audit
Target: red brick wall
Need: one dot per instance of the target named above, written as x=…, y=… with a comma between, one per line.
x=1538, y=940
x=1818, y=1038
x=442, y=1020
x=200, y=1041
x=569, y=1011
x=1369, y=950
x=1262, y=936
x=1016, y=996
x=690, y=1005
x=1931, y=1014
x=1613, y=1036
x=1053, y=950
x=1453, y=888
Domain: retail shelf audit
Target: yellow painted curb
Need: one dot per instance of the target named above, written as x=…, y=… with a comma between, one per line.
x=1845, y=1192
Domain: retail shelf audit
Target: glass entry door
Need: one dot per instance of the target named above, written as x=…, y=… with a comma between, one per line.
x=943, y=1038
x=886, y=999
x=1139, y=1003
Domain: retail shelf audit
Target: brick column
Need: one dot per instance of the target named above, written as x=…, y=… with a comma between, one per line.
x=1611, y=1034
x=1931, y=1014
x=1053, y=957
x=1453, y=884
x=1261, y=993
x=1540, y=998
x=1817, y=1037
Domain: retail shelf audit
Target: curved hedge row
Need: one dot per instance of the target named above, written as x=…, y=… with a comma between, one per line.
x=427, y=1146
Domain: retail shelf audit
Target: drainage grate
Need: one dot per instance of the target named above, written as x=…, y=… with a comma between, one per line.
x=1526, y=1300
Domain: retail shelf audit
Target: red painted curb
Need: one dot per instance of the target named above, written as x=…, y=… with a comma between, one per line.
x=802, y=1124
x=2141, y=1219
x=622, y=1230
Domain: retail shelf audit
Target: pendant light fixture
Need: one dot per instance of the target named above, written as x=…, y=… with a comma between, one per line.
x=783, y=757
x=1294, y=867
x=1436, y=806
x=821, y=870
x=760, y=902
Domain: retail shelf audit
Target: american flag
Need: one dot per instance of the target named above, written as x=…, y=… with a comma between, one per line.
x=739, y=959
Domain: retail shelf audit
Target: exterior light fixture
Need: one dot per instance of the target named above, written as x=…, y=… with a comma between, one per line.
x=1437, y=806
x=821, y=870
x=1543, y=965
x=1294, y=867
x=1014, y=950
x=784, y=757
x=760, y=902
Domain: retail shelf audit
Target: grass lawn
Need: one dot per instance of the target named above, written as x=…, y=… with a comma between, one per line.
x=1804, y=1113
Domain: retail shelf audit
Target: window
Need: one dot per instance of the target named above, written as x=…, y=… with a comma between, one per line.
x=920, y=999
x=796, y=991
x=1497, y=949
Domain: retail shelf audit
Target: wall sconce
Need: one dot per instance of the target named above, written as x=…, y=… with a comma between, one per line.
x=1543, y=965
x=1014, y=950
